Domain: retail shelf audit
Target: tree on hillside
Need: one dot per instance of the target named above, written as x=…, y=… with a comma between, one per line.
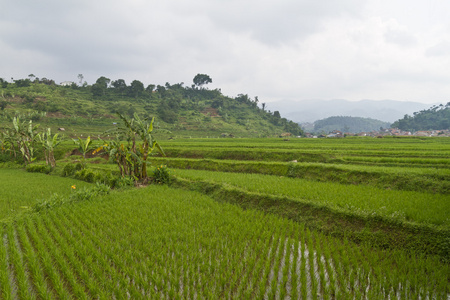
x=293, y=128
x=80, y=78
x=243, y=98
x=201, y=79
x=136, y=88
x=3, y=83
x=256, y=101
x=119, y=85
x=149, y=89
x=47, y=81
x=263, y=106
x=161, y=90
x=276, y=114
x=22, y=82
x=100, y=86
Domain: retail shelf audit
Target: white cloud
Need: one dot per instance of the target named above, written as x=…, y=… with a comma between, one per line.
x=440, y=49
x=284, y=49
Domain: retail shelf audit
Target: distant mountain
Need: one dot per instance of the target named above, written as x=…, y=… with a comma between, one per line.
x=348, y=124
x=312, y=110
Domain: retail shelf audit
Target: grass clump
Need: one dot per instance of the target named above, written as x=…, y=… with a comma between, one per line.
x=70, y=169
x=77, y=195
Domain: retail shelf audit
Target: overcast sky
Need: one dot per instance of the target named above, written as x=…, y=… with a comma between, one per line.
x=273, y=49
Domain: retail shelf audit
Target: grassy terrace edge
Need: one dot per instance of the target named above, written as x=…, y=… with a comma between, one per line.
x=374, y=231
x=316, y=171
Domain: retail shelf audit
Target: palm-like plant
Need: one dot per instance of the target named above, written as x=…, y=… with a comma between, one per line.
x=117, y=152
x=24, y=135
x=49, y=143
x=144, y=130
x=131, y=156
x=9, y=142
x=84, y=147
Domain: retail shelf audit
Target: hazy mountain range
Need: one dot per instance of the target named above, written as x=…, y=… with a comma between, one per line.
x=313, y=110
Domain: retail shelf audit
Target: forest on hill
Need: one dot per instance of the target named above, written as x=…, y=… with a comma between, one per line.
x=348, y=124
x=178, y=109
x=436, y=117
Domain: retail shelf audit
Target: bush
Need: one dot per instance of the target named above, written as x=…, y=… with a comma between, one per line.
x=70, y=169
x=161, y=175
x=124, y=182
x=46, y=169
x=87, y=175
x=97, y=176
x=4, y=157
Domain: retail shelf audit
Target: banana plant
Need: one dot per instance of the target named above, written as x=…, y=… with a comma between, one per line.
x=49, y=142
x=117, y=153
x=25, y=136
x=143, y=129
x=84, y=147
x=8, y=142
x=132, y=156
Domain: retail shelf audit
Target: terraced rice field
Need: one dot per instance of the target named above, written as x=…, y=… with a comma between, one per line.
x=409, y=206
x=350, y=219
x=162, y=243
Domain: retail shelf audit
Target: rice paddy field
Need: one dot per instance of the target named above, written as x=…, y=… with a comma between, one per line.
x=241, y=219
x=20, y=190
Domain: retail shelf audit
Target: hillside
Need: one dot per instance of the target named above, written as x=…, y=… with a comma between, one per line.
x=179, y=111
x=348, y=124
x=434, y=118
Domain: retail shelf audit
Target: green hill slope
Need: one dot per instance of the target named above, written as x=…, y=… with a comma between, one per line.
x=179, y=110
x=434, y=118
x=348, y=124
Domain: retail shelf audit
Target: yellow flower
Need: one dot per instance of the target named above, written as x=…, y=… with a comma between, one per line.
x=73, y=187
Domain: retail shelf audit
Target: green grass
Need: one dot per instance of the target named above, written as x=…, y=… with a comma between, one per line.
x=164, y=243
x=20, y=189
x=390, y=152
x=416, y=207
x=420, y=179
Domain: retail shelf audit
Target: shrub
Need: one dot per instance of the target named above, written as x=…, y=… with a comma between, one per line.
x=70, y=169
x=161, y=175
x=96, y=176
x=46, y=169
x=124, y=182
x=87, y=175
x=4, y=157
